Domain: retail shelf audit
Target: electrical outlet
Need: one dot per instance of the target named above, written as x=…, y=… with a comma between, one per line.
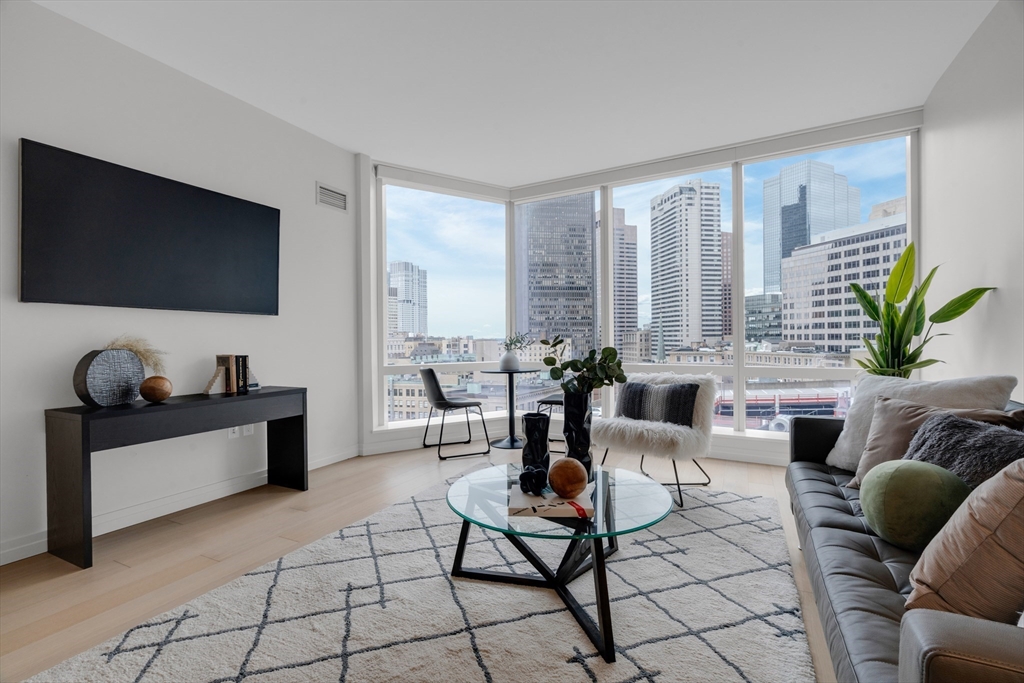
x=248, y=430
x=234, y=433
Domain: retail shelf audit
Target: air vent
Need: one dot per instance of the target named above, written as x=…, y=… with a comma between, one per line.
x=328, y=196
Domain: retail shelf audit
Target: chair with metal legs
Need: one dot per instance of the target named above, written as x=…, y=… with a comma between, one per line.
x=550, y=402
x=664, y=415
x=438, y=401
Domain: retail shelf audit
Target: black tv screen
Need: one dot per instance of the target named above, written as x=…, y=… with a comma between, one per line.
x=96, y=233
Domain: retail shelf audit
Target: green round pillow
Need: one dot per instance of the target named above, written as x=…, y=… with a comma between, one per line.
x=907, y=502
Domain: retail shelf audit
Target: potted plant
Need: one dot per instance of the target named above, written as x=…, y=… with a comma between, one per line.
x=516, y=342
x=579, y=378
x=890, y=354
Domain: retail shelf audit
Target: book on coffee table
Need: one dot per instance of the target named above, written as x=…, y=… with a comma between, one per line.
x=548, y=504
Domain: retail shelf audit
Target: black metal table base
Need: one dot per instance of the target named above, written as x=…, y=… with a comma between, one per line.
x=581, y=556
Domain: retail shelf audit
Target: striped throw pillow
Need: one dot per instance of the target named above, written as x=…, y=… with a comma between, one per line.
x=658, y=402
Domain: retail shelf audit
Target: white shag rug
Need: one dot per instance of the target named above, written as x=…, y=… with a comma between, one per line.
x=705, y=595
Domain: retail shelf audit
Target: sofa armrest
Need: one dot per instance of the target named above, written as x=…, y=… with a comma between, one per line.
x=812, y=438
x=941, y=647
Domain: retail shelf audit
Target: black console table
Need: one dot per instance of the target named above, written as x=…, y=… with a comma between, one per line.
x=73, y=434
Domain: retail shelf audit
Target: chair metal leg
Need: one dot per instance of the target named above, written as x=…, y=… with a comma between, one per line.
x=440, y=437
x=678, y=483
x=551, y=411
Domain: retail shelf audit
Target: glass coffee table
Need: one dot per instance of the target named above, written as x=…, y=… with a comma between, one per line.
x=624, y=502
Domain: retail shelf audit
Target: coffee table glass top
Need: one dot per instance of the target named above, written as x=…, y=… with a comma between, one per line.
x=624, y=502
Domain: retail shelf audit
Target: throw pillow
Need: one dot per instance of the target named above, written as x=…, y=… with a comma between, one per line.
x=975, y=565
x=971, y=450
x=894, y=423
x=991, y=392
x=907, y=502
x=658, y=402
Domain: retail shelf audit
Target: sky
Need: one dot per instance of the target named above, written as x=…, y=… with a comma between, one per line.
x=461, y=242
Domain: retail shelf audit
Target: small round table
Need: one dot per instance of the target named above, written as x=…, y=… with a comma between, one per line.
x=511, y=441
x=624, y=502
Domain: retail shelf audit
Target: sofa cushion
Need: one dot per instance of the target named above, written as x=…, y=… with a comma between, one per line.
x=821, y=499
x=860, y=583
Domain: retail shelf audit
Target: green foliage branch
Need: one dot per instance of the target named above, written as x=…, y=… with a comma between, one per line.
x=891, y=353
x=582, y=376
x=516, y=342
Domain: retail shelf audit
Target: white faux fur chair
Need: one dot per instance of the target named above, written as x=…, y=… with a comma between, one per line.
x=660, y=438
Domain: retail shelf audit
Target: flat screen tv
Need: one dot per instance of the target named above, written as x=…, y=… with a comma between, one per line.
x=96, y=233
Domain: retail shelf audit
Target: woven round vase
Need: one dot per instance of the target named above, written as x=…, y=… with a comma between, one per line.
x=110, y=377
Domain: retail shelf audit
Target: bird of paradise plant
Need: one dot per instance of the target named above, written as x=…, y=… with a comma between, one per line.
x=890, y=354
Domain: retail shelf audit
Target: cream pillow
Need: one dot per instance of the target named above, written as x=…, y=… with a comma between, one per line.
x=991, y=392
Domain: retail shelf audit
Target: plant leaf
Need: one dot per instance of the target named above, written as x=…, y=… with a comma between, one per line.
x=866, y=301
x=920, y=319
x=549, y=361
x=556, y=373
x=958, y=306
x=901, y=279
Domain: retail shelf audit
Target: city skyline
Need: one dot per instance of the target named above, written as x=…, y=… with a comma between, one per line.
x=436, y=230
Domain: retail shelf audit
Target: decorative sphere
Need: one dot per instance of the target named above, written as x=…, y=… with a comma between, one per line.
x=156, y=388
x=907, y=502
x=567, y=477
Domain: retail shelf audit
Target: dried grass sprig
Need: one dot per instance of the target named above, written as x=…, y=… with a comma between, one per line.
x=149, y=356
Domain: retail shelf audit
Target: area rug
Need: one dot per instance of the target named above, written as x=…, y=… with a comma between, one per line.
x=705, y=595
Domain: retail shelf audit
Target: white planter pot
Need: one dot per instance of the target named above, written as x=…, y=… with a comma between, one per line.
x=510, y=361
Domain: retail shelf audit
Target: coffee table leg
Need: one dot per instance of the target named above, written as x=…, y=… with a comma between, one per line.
x=604, y=610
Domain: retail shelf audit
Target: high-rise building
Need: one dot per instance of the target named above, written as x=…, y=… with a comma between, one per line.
x=636, y=346
x=726, y=285
x=624, y=288
x=556, y=270
x=410, y=284
x=686, y=265
x=805, y=200
x=818, y=307
x=763, y=316
x=392, y=308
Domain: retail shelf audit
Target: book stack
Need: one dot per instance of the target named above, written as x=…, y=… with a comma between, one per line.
x=235, y=369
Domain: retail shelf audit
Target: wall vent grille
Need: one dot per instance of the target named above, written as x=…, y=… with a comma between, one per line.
x=328, y=196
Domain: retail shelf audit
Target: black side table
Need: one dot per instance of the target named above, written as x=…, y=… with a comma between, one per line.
x=511, y=441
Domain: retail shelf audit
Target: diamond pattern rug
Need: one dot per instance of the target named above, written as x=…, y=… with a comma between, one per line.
x=705, y=595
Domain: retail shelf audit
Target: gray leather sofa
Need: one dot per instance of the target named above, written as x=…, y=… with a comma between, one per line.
x=861, y=583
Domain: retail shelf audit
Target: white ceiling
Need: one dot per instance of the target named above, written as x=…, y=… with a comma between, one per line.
x=512, y=93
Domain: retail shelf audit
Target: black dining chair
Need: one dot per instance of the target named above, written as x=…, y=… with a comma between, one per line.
x=438, y=401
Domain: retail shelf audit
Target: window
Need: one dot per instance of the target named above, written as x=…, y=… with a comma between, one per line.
x=672, y=269
x=445, y=288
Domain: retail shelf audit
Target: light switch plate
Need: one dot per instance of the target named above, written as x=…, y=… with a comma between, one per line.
x=248, y=430
x=234, y=432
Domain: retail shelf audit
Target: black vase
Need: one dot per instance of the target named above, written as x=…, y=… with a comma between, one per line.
x=576, y=428
x=535, y=450
x=536, y=456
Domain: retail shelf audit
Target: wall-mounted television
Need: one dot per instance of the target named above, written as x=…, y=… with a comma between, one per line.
x=96, y=233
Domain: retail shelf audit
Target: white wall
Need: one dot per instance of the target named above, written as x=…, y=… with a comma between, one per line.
x=972, y=199
x=67, y=86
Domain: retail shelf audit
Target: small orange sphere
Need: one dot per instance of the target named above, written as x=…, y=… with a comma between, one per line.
x=155, y=389
x=567, y=477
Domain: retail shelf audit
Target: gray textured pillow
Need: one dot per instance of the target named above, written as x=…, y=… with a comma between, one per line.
x=971, y=450
x=990, y=392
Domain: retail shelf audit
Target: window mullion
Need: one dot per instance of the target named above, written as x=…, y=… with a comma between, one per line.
x=739, y=332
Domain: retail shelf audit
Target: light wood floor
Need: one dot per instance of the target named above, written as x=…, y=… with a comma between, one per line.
x=50, y=610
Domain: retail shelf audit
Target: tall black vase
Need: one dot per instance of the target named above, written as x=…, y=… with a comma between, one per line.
x=576, y=428
x=535, y=450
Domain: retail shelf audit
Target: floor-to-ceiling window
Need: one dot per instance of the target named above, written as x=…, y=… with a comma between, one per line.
x=445, y=287
x=813, y=224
